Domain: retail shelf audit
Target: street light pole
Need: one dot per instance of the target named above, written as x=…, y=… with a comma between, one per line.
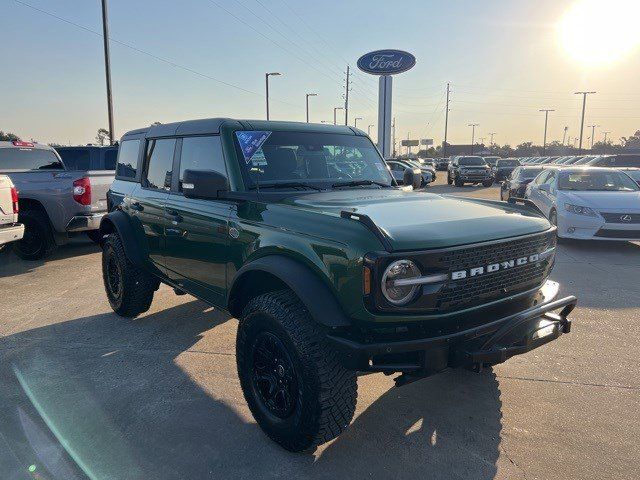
x=564, y=135
x=335, y=109
x=584, y=103
x=266, y=79
x=473, y=134
x=107, y=67
x=307, y=102
x=605, y=136
x=355, y=121
x=546, y=118
x=593, y=132
x=492, y=134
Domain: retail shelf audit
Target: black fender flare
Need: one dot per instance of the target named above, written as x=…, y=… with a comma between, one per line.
x=118, y=221
x=312, y=291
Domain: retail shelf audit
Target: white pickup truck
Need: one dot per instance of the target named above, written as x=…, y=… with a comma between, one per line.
x=56, y=202
x=10, y=229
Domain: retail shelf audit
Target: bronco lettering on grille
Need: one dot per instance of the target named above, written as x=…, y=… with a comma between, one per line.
x=494, y=267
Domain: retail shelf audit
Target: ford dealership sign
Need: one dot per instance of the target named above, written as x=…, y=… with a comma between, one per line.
x=386, y=62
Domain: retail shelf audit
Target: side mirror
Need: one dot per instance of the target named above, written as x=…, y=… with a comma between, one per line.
x=204, y=184
x=545, y=187
x=412, y=177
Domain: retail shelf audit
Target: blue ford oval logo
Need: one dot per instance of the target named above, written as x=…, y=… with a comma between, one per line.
x=386, y=62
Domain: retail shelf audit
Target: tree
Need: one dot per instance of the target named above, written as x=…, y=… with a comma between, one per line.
x=527, y=149
x=633, y=141
x=102, y=135
x=8, y=137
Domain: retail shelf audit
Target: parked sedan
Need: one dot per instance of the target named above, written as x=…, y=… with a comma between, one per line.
x=442, y=163
x=516, y=184
x=588, y=203
x=397, y=168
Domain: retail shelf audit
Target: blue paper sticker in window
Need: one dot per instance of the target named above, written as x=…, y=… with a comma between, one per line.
x=250, y=142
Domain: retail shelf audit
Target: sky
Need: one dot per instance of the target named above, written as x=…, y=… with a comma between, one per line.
x=171, y=61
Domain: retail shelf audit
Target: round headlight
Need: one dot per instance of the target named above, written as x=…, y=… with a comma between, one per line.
x=394, y=289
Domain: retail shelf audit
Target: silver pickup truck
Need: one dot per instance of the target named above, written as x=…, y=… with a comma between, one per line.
x=55, y=202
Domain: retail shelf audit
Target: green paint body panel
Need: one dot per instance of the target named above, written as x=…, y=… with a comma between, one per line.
x=202, y=257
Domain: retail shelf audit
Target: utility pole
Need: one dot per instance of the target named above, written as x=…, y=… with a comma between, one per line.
x=266, y=79
x=584, y=103
x=593, y=132
x=446, y=124
x=473, y=134
x=355, y=121
x=307, y=98
x=346, y=100
x=393, y=130
x=107, y=67
x=605, y=136
x=546, y=118
x=492, y=134
x=334, y=114
x=564, y=135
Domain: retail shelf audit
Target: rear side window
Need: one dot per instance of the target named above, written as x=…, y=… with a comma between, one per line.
x=159, y=163
x=127, y=166
x=29, y=159
x=76, y=158
x=110, y=159
x=201, y=153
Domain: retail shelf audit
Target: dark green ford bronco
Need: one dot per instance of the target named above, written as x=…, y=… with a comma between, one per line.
x=301, y=232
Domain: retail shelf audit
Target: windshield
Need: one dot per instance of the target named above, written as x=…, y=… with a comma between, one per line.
x=309, y=159
x=604, y=181
x=508, y=163
x=29, y=159
x=528, y=173
x=472, y=162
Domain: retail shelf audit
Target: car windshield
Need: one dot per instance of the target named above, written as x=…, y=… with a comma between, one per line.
x=314, y=159
x=29, y=159
x=528, y=173
x=472, y=162
x=604, y=181
x=508, y=163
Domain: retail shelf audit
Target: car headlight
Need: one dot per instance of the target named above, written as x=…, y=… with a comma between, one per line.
x=579, y=210
x=393, y=288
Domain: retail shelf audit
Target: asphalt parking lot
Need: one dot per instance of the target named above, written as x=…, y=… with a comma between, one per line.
x=86, y=394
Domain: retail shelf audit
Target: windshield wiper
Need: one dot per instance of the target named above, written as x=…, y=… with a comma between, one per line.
x=284, y=185
x=357, y=183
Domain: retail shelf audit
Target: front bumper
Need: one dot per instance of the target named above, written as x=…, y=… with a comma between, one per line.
x=490, y=343
x=11, y=232
x=81, y=223
x=582, y=227
x=475, y=177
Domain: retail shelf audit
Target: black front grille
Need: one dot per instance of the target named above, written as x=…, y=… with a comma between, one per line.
x=610, y=233
x=618, y=217
x=488, y=286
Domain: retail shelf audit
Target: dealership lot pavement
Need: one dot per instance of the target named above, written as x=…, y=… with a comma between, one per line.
x=86, y=394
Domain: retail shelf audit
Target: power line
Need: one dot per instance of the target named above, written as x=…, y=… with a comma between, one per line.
x=155, y=57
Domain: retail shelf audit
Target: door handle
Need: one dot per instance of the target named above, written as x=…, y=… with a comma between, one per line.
x=136, y=206
x=175, y=217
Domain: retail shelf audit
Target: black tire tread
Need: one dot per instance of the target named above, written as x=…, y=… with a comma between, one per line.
x=337, y=387
x=138, y=285
x=39, y=220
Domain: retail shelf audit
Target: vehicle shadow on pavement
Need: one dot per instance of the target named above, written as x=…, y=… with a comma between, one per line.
x=11, y=265
x=446, y=426
x=450, y=189
x=105, y=397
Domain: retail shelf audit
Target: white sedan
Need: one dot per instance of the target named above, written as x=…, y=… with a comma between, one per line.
x=588, y=202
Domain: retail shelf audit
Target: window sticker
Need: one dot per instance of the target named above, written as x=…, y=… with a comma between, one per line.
x=250, y=142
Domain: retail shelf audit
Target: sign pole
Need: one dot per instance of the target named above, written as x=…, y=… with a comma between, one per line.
x=384, y=115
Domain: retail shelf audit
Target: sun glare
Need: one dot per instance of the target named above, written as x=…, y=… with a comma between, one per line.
x=597, y=32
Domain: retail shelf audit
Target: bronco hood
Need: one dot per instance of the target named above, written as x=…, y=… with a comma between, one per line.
x=421, y=220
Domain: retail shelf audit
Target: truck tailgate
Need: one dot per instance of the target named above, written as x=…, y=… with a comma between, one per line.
x=6, y=203
x=101, y=181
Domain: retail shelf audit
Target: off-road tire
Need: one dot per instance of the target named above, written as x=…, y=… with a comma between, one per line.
x=326, y=392
x=458, y=183
x=136, y=286
x=487, y=183
x=38, y=241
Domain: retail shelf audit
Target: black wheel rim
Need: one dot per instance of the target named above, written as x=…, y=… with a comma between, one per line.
x=31, y=242
x=114, y=277
x=273, y=375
